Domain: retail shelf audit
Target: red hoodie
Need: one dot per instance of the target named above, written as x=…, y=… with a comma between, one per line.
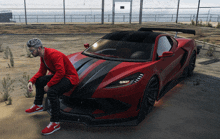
x=59, y=65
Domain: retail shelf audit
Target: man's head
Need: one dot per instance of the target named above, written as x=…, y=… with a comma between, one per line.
x=35, y=46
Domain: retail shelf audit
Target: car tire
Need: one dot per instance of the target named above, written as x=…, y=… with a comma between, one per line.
x=192, y=63
x=149, y=97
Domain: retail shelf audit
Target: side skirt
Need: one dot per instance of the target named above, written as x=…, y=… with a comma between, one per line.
x=169, y=86
x=90, y=122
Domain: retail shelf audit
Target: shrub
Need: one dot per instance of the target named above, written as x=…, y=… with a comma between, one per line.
x=207, y=40
x=192, y=22
x=6, y=83
x=209, y=25
x=24, y=82
x=200, y=22
x=218, y=26
x=9, y=101
x=210, y=51
x=6, y=53
x=11, y=58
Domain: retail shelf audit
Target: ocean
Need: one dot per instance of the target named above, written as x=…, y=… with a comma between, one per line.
x=95, y=16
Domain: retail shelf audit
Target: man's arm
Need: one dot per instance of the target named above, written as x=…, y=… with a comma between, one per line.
x=42, y=71
x=58, y=63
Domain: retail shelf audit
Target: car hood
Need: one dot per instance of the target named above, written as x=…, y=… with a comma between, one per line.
x=93, y=72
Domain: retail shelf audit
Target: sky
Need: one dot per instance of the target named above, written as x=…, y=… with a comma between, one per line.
x=46, y=4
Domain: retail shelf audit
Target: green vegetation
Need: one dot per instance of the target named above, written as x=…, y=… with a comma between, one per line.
x=24, y=82
x=218, y=26
x=208, y=24
x=205, y=41
x=9, y=52
x=210, y=51
x=6, y=51
x=199, y=23
x=7, y=87
x=9, y=101
x=11, y=58
x=192, y=22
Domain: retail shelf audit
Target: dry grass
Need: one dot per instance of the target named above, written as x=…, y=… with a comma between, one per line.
x=7, y=88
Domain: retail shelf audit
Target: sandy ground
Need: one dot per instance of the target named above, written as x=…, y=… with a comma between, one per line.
x=190, y=110
x=202, y=33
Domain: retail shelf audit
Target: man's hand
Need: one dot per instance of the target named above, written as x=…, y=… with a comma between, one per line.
x=30, y=87
x=46, y=88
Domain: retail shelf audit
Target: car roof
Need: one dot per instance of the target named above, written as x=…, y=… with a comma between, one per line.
x=133, y=36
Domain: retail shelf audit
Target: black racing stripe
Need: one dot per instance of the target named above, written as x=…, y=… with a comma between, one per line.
x=86, y=65
x=81, y=62
x=90, y=83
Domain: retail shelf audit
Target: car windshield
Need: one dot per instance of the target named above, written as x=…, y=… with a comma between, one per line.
x=121, y=50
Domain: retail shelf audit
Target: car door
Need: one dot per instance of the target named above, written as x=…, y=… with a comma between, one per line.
x=177, y=58
x=167, y=66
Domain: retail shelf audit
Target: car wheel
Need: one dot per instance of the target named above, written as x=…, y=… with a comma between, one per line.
x=192, y=64
x=150, y=95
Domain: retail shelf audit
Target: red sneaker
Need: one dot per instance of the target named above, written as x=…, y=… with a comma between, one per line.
x=52, y=127
x=34, y=109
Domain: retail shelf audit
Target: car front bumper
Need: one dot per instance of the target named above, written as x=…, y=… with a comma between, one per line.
x=82, y=116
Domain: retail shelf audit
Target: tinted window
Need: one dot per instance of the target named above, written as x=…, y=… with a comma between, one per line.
x=113, y=49
x=170, y=40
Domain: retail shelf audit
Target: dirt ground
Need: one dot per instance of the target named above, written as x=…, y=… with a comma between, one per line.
x=202, y=33
x=15, y=123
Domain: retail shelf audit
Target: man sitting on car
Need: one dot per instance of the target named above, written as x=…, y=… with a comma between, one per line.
x=63, y=78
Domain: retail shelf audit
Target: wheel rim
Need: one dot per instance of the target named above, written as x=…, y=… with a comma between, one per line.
x=149, y=98
x=151, y=94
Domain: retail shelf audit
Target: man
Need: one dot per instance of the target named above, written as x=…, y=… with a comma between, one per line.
x=63, y=79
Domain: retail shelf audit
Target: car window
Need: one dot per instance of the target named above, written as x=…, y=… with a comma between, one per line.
x=163, y=45
x=114, y=49
x=170, y=40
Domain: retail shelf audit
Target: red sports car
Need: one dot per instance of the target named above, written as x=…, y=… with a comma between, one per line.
x=124, y=73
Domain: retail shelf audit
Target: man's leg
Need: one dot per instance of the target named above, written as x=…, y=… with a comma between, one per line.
x=53, y=95
x=40, y=83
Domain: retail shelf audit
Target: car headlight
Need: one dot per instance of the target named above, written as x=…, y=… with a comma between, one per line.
x=126, y=81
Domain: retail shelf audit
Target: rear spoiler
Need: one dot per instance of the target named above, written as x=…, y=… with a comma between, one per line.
x=189, y=31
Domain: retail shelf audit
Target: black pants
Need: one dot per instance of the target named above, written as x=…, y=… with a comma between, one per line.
x=53, y=94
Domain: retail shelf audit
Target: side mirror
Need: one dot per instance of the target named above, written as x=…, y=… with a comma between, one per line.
x=167, y=54
x=86, y=45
